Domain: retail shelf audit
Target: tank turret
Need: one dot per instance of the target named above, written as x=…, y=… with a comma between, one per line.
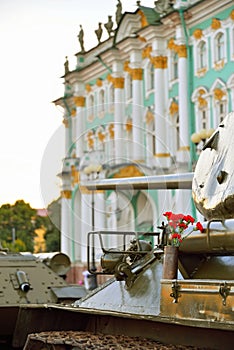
x=32, y=281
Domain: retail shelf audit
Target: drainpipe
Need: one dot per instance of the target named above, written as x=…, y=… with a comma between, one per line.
x=70, y=129
x=73, y=223
x=104, y=64
x=190, y=69
x=190, y=89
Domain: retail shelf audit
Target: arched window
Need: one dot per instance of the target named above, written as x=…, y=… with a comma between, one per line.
x=219, y=47
x=151, y=76
x=204, y=123
x=202, y=55
x=101, y=101
x=128, y=86
x=90, y=107
x=200, y=98
x=220, y=101
x=111, y=98
x=174, y=66
x=150, y=135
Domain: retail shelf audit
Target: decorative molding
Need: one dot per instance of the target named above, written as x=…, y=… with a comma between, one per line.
x=79, y=101
x=136, y=73
x=202, y=102
x=198, y=34
x=75, y=175
x=111, y=130
x=181, y=50
x=88, y=87
x=73, y=112
x=126, y=67
x=184, y=148
x=66, y=194
x=171, y=44
x=128, y=171
x=174, y=108
x=66, y=123
x=149, y=117
x=142, y=39
x=219, y=65
x=159, y=62
x=101, y=136
x=218, y=94
x=215, y=24
x=128, y=125
x=144, y=21
x=146, y=52
x=117, y=82
x=201, y=72
x=232, y=15
x=90, y=139
x=162, y=155
x=99, y=82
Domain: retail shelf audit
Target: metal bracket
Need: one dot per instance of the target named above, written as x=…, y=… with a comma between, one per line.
x=224, y=291
x=175, y=287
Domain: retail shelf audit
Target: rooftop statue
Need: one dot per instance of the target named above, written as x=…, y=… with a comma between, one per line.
x=66, y=66
x=118, y=13
x=213, y=183
x=162, y=6
x=98, y=32
x=81, y=38
x=109, y=26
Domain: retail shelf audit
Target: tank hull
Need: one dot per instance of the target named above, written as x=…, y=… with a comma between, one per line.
x=164, y=329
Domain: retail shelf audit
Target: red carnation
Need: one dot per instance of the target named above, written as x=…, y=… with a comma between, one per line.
x=199, y=227
x=189, y=218
x=176, y=217
x=168, y=214
x=183, y=225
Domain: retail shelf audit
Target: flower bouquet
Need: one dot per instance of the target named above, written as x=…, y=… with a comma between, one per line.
x=177, y=224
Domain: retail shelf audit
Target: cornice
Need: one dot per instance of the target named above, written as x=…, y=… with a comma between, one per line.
x=206, y=10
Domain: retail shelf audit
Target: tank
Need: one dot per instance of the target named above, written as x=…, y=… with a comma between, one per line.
x=149, y=295
x=30, y=281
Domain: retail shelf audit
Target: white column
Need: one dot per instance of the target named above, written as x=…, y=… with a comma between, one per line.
x=137, y=118
x=66, y=222
x=66, y=122
x=100, y=211
x=119, y=115
x=137, y=106
x=183, y=154
x=79, y=127
x=161, y=145
x=86, y=226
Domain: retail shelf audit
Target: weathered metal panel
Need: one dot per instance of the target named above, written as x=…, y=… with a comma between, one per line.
x=142, y=298
x=204, y=300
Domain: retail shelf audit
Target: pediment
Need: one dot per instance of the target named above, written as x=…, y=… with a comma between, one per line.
x=128, y=26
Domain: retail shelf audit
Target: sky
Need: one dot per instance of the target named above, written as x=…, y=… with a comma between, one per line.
x=35, y=37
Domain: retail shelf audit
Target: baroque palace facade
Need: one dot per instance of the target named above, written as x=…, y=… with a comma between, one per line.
x=132, y=104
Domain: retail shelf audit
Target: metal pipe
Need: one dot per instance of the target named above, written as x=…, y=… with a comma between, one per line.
x=160, y=182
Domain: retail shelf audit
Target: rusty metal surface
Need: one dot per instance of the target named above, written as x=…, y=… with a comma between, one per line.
x=167, y=330
x=85, y=340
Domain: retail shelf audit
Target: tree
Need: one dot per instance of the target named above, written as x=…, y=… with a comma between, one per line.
x=52, y=235
x=17, y=225
x=19, y=221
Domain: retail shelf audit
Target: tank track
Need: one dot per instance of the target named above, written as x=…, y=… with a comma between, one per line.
x=74, y=340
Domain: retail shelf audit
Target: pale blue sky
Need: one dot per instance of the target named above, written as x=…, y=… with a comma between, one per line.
x=35, y=37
